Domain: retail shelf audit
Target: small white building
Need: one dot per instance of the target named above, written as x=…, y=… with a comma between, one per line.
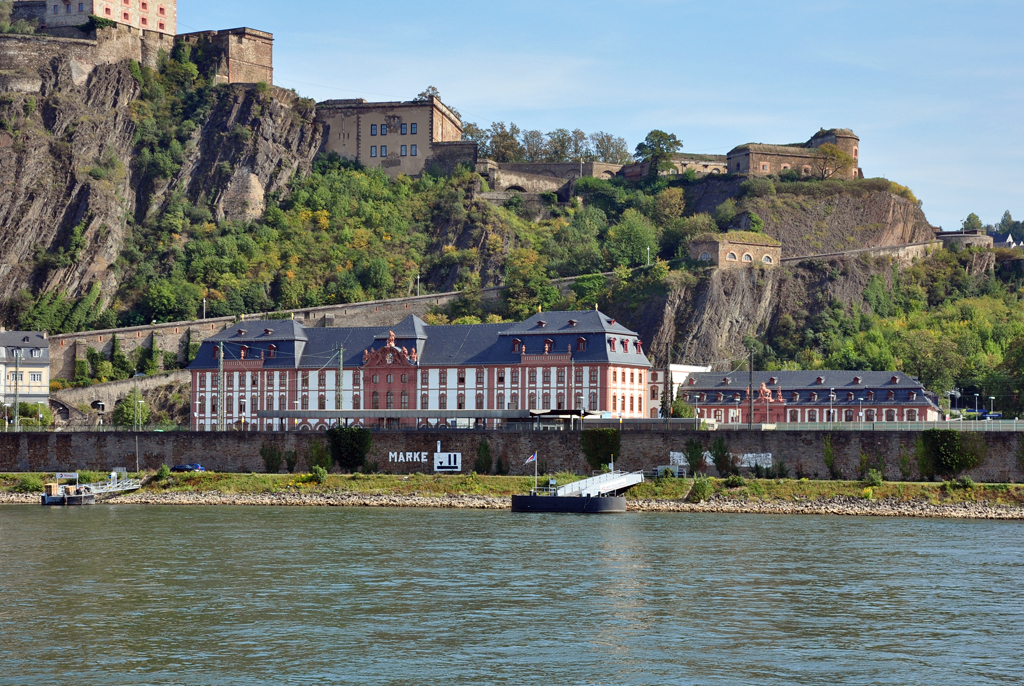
x=24, y=368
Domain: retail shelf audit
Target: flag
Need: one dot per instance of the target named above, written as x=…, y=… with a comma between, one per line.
x=532, y=458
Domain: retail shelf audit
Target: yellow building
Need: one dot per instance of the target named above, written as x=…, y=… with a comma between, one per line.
x=399, y=137
x=24, y=367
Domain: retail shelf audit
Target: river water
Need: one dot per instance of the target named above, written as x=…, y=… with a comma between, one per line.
x=176, y=595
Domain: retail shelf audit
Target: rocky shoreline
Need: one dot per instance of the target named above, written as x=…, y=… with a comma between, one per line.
x=838, y=506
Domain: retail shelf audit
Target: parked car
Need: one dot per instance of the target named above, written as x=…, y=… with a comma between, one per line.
x=188, y=468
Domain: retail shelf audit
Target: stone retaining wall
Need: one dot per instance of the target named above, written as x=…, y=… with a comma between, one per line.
x=412, y=451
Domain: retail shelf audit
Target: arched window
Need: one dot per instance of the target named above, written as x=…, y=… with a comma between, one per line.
x=747, y=257
x=500, y=401
x=794, y=415
x=767, y=259
x=560, y=400
x=848, y=416
x=911, y=415
x=229, y=406
x=282, y=402
x=581, y=344
x=622, y=402
x=630, y=403
x=390, y=378
x=202, y=404
x=517, y=346
x=731, y=257
x=513, y=403
x=705, y=257
x=812, y=415
x=546, y=402
x=405, y=400
x=270, y=401
x=615, y=403
x=890, y=415
x=654, y=392
x=593, y=401
x=461, y=400
x=533, y=401
x=479, y=401
x=442, y=402
x=321, y=403
x=578, y=402
x=272, y=351
x=322, y=379
x=305, y=402
x=390, y=400
x=855, y=153
x=611, y=344
x=243, y=352
x=375, y=401
x=424, y=402
x=356, y=402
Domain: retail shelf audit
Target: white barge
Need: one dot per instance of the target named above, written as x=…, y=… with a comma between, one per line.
x=56, y=493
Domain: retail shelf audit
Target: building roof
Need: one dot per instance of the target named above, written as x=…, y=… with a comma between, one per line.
x=803, y=379
x=470, y=344
x=739, y=237
x=27, y=340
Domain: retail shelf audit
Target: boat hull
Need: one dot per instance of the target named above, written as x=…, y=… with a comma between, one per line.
x=83, y=499
x=568, y=504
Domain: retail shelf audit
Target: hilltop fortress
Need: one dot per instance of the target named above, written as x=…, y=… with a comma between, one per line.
x=98, y=32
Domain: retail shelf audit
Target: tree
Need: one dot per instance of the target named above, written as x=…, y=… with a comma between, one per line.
x=669, y=204
x=132, y=410
x=349, y=446
x=694, y=453
x=504, y=145
x=657, y=149
x=678, y=234
x=630, y=239
x=577, y=247
x=972, y=223
x=559, y=145
x=428, y=93
x=535, y=146
x=472, y=133
x=527, y=286
x=830, y=160
x=724, y=461
x=609, y=148
x=600, y=446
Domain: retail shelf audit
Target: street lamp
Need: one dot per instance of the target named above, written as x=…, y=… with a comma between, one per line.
x=860, y=411
x=136, y=419
x=975, y=403
x=991, y=404
x=831, y=406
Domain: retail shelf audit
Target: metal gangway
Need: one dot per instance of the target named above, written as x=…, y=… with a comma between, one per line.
x=612, y=482
x=117, y=483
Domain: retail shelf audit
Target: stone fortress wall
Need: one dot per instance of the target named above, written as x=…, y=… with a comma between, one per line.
x=245, y=55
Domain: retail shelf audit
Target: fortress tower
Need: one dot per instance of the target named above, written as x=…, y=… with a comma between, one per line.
x=160, y=16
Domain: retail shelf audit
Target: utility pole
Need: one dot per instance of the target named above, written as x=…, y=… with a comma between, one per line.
x=337, y=385
x=417, y=284
x=750, y=393
x=17, y=390
x=220, y=387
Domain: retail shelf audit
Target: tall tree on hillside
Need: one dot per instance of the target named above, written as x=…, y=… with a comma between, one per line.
x=504, y=142
x=658, y=149
x=579, y=147
x=630, y=239
x=972, y=223
x=472, y=133
x=428, y=92
x=610, y=148
x=559, y=145
x=830, y=160
x=535, y=146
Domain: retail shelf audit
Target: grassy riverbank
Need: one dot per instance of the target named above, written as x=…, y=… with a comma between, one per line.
x=669, y=489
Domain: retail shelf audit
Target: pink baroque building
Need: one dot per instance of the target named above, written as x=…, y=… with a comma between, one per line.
x=160, y=16
x=554, y=361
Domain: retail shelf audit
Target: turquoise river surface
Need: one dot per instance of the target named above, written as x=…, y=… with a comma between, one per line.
x=234, y=595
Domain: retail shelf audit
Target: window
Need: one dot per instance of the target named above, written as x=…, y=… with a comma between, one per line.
x=849, y=396
x=412, y=130
x=561, y=376
x=654, y=392
x=126, y=16
x=547, y=376
x=383, y=129
x=513, y=403
x=705, y=257
x=501, y=376
x=356, y=403
x=848, y=416
x=162, y=12
x=202, y=380
x=500, y=402
x=231, y=380
x=355, y=379
x=479, y=401
x=270, y=402
x=731, y=257
x=36, y=376
x=611, y=343
x=145, y=7
x=515, y=376
x=581, y=344
x=375, y=401
x=443, y=375
x=375, y=378
x=405, y=129
x=869, y=415
x=911, y=415
x=244, y=352
x=747, y=257
x=390, y=400
x=55, y=9
x=533, y=401
x=767, y=259
x=145, y=22
x=321, y=402
x=424, y=378
x=373, y=129
x=871, y=395
x=81, y=6
x=764, y=167
x=615, y=403
x=479, y=377
x=162, y=26
x=546, y=401
x=272, y=351
x=405, y=400
x=322, y=378
x=892, y=395
x=229, y=406
x=615, y=376
x=812, y=415
x=517, y=346
x=461, y=400
x=560, y=401
x=424, y=402
x=405, y=150
x=579, y=377
x=631, y=378
x=373, y=151
x=794, y=416
x=305, y=379
x=462, y=377
x=593, y=376
x=305, y=402
x=106, y=11
x=890, y=415
x=405, y=378
x=547, y=346
x=442, y=402
x=413, y=152
x=630, y=403
x=390, y=378
x=533, y=376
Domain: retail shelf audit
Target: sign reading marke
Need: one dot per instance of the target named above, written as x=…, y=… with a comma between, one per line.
x=443, y=462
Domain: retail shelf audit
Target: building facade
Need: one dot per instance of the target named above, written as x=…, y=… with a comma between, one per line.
x=759, y=159
x=398, y=137
x=160, y=16
x=736, y=250
x=700, y=165
x=583, y=361
x=242, y=55
x=24, y=368
x=809, y=397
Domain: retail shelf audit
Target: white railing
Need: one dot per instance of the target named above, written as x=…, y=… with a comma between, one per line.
x=605, y=483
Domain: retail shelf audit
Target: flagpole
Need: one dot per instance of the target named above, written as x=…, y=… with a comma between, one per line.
x=535, y=461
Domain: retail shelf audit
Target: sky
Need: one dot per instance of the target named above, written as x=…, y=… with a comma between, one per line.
x=934, y=89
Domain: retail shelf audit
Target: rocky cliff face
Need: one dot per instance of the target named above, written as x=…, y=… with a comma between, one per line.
x=69, y=185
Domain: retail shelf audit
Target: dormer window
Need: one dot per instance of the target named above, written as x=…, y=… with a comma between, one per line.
x=871, y=395
x=272, y=351
x=849, y=396
x=611, y=343
x=625, y=345
x=267, y=332
x=244, y=352
x=548, y=344
x=821, y=380
x=727, y=381
x=541, y=324
x=892, y=395
x=693, y=382
x=814, y=397
x=894, y=379
x=703, y=397
x=517, y=346
x=795, y=397
x=913, y=395
x=240, y=332
x=573, y=322
x=719, y=397
x=857, y=380
x=581, y=344
x=773, y=381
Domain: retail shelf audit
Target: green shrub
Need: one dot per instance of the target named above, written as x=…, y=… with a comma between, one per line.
x=725, y=463
x=163, y=472
x=965, y=482
x=701, y=490
x=829, y=455
x=600, y=446
x=317, y=455
x=319, y=474
x=291, y=458
x=694, y=453
x=949, y=452
x=484, y=462
x=90, y=477
x=874, y=478
x=28, y=483
x=735, y=481
x=271, y=458
x=757, y=187
x=350, y=446
x=756, y=489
